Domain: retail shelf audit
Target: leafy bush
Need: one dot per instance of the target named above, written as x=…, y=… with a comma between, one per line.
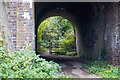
x=66, y=53
x=68, y=43
x=26, y=64
x=103, y=68
x=41, y=49
x=71, y=53
x=61, y=51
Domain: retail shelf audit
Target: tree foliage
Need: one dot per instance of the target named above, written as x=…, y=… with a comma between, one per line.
x=55, y=30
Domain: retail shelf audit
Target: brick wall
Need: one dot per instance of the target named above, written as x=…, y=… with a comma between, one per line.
x=20, y=16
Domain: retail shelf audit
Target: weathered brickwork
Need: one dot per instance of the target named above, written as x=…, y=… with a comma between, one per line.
x=112, y=35
x=21, y=23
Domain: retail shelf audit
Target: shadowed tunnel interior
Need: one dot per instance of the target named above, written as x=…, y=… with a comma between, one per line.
x=86, y=17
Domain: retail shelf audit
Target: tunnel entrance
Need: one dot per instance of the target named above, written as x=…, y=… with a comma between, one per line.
x=86, y=19
x=56, y=35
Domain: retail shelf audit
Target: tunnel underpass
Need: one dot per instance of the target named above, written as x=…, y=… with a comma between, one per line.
x=87, y=21
x=86, y=18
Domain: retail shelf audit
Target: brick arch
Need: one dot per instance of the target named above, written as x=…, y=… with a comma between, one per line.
x=65, y=14
x=86, y=18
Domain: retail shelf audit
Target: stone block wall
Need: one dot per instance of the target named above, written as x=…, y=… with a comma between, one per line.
x=5, y=36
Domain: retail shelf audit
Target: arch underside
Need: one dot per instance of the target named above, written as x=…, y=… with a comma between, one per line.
x=85, y=17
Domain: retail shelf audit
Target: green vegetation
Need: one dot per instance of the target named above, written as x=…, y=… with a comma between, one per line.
x=26, y=64
x=65, y=53
x=1, y=43
x=103, y=68
x=56, y=32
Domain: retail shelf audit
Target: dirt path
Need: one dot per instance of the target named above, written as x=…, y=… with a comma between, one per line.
x=70, y=65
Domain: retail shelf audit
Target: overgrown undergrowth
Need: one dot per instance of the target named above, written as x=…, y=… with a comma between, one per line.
x=26, y=64
x=103, y=68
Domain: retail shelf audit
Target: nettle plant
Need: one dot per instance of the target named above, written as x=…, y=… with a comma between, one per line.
x=26, y=64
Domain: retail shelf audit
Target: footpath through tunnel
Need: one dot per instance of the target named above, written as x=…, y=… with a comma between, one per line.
x=96, y=29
